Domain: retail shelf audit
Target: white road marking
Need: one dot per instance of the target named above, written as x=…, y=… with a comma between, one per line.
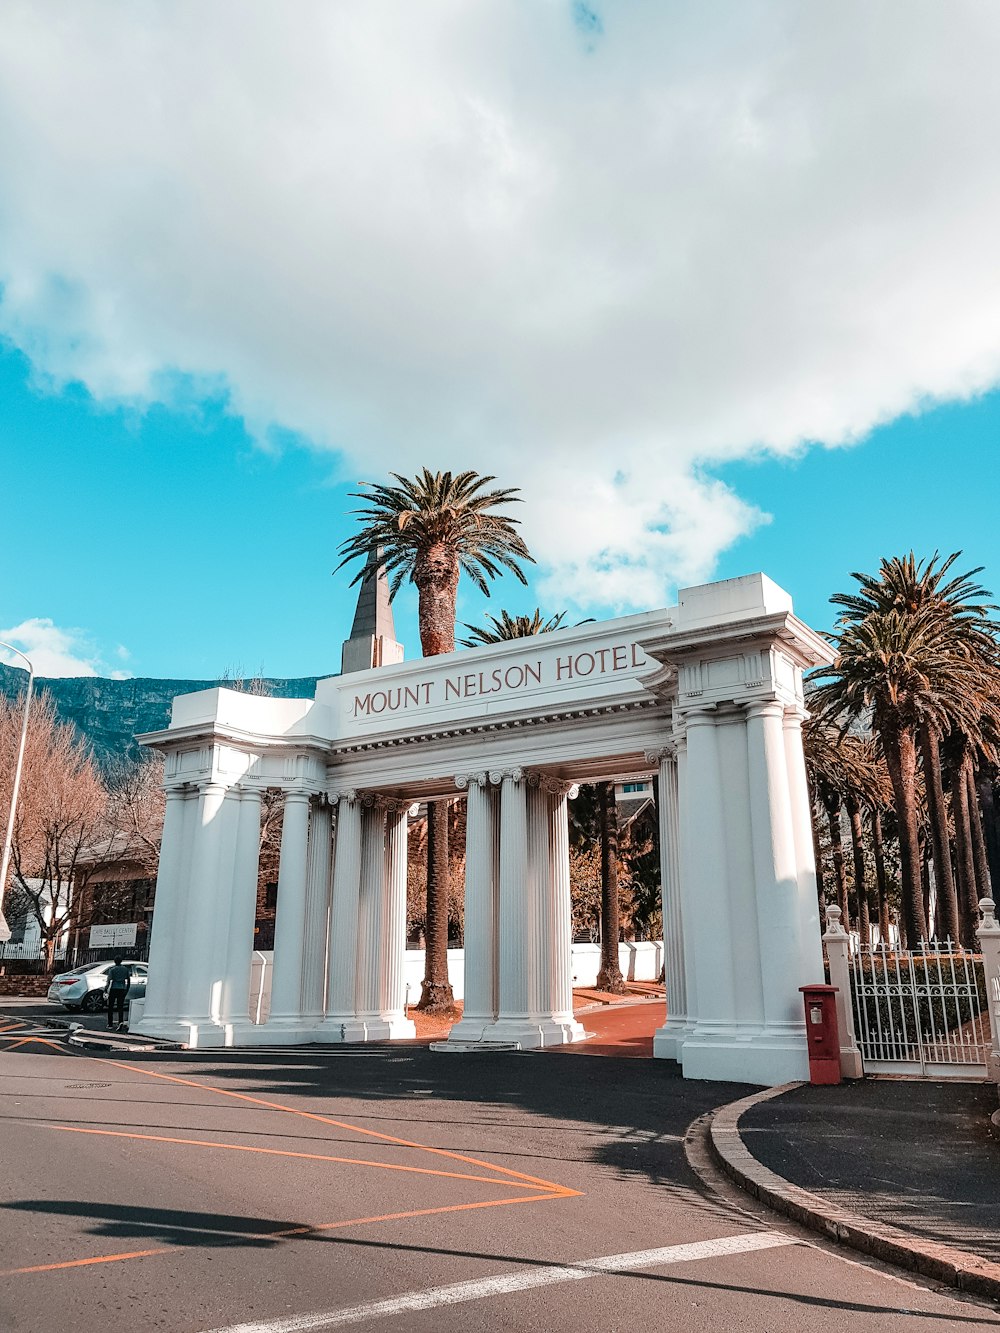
x=480, y=1288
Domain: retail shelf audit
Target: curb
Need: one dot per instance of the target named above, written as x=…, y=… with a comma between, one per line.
x=953, y=1267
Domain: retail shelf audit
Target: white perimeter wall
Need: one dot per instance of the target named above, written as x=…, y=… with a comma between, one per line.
x=638, y=962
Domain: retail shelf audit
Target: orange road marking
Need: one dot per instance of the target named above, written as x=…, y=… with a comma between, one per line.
x=12, y=1026
x=310, y=1156
x=43, y=1041
x=81, y=1263
x=295, y=1231
x=337, y=1124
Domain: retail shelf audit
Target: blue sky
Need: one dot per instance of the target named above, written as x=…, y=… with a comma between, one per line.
x=173, y=536
x=718, y=294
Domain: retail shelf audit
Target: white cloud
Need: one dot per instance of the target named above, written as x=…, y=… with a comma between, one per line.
x=55, y=652
x=595, y=257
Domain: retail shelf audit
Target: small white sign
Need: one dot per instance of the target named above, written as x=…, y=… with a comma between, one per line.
x=112, y=937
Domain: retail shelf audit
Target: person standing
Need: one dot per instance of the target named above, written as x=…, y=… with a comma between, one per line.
x=119, y=981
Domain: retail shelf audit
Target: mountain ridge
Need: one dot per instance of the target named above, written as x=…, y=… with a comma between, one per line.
x=109, y=713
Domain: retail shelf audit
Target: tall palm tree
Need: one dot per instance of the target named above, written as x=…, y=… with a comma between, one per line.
x=432, y=528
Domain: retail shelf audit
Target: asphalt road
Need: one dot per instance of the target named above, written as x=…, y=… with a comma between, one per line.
x=396, y=1189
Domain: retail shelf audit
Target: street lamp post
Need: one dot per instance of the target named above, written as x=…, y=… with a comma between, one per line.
x=9, y=836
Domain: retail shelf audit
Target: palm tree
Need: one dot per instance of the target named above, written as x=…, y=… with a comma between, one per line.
x=909, y=585
x=432, y=528
x=902, y=669
x=505, y=626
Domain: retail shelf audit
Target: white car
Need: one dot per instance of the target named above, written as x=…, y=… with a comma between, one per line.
x=83, y=987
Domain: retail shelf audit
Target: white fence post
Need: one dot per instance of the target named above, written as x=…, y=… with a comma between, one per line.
x=989, y=942
x=837, y=942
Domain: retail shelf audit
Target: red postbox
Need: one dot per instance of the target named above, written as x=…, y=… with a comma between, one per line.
x=822, y=1037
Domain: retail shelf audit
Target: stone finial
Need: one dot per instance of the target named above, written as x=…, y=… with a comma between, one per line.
x=833, y=925
x=987, y=909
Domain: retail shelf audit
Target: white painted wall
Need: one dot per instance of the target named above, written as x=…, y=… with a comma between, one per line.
x=638, y=962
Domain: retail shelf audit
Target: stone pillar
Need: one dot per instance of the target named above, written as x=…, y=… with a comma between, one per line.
x=367, y=999
x=785, y=963
x=202, y=949
x=561, y=971
x=688, y=906
x=340, y=1023
x=289, y=926
x=706, y=870
x=538, y=905
x=989, y=942
x=165, y=959
x=837, y=944
x=480, y=1003
x=669, y=1038
x=392, y=984
x=512, y=991
x=317, y=913
x=235, y=1008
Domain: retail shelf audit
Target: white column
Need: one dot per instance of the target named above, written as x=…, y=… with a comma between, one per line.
x=340, y=1022
x=235, y=1010
x=562, y=1026
x=810, y=925
x=392, y=985
x=688, y=906
x=168, y=907
x=512, y=992
x=539, y=899
x=370, y=918
x=480, y=1003
x=669, y=1038
x=201, y=947
x=785, y=963
x=317, y=913
x=706, y=870
x=289, y=926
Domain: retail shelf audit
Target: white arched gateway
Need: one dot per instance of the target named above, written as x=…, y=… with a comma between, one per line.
x=707, y=696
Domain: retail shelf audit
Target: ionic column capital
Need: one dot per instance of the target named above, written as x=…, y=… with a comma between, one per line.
x=666, y=751
x=338, y=794
x=465, y=780
x=549, y=782
x=499, y=774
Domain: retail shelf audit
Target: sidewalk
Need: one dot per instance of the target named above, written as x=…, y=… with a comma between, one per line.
x=886, y=1163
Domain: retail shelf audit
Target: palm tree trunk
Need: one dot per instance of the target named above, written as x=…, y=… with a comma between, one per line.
x=610, y=976
x=436, y=995
x=901, y=761
x=968, y=903
x=991, y=826
x=860, y=875
x=878, y=852
x=925, y=884
x=946, y=914
x=837, y=846
x=436, y=577
x=984, y=885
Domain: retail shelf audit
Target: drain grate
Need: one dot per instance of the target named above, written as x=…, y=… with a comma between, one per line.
x=88, y=1085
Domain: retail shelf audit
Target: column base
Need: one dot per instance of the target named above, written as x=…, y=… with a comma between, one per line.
x=196, y=1033
x=393, y=1027
x=668, y=1039
x=533, y=1033
x=469, y=1029
x=764, y=1056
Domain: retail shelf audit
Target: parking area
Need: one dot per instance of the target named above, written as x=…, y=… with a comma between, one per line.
x=389, y=1187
